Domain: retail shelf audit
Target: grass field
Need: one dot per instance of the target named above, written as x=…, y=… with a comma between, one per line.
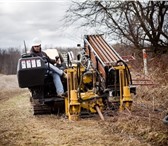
x=141, y=127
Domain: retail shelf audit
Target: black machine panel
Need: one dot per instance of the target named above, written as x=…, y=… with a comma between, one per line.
x=30, y=72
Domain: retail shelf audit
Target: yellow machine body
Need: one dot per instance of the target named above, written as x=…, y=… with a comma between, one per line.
x=97, y=79
x=78, y=100
x=125, y=94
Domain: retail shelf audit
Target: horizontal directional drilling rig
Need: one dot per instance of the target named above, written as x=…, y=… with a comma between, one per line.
x=98, y=79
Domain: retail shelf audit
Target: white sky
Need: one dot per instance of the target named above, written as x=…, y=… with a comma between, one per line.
x=26, y=19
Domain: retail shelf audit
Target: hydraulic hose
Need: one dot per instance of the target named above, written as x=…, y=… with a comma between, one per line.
x=79, y=75
x=79, y=78
x=128, y=74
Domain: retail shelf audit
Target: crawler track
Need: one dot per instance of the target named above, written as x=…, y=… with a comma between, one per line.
x=39, y=108
x=52, y=107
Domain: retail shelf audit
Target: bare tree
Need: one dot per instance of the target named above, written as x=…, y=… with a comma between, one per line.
x=131, y=22
x=9, y=59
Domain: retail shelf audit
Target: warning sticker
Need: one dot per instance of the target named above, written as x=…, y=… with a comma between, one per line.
x=38, y=63
x=28, y=63
x=23, y=64
x=33, y=62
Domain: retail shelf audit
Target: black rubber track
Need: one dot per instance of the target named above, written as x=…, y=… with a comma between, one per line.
x=39, y=109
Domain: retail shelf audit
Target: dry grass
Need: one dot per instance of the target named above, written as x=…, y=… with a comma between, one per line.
x=142, y=127
x=9, y=87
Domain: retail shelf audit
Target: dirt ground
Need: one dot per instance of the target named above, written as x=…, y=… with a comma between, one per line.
x=142, y=126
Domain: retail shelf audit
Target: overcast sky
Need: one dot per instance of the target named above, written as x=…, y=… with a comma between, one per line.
x=26, y=19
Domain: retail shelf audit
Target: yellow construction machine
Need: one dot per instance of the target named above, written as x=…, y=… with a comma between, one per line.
x=98, y=79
